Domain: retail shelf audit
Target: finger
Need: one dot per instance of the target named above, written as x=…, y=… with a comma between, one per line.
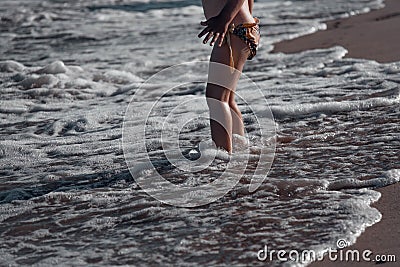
x=204, y=31
x=221, y=39
x=208, y=37
x=215, y=37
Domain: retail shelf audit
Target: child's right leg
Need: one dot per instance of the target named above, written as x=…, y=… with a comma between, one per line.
x=237, y=120
x=221, y=101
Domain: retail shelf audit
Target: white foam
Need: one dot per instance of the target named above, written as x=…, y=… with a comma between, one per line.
x=11, y=66
x=53, y=68
x=65, y=82
x=118, y=77
x=239, y=142
x=38, y=81
x=299, y=110
x=390, y=177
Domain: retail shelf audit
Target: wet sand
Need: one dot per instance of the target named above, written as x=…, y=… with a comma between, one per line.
x=375, y=36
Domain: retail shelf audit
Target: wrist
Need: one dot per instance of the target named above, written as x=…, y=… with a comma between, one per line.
x=225, y=17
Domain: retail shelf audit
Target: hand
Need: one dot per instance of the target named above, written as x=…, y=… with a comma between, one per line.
x=216, y=28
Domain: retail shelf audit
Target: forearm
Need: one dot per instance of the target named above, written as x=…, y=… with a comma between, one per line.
x=251, y=4
x=231, y=8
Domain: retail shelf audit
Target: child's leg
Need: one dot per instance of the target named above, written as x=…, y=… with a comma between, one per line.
x=221, y=100
x=240, y=53
x=218, y=104
x=237, y=120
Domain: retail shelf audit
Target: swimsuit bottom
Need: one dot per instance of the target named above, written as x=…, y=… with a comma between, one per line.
x=249, y=33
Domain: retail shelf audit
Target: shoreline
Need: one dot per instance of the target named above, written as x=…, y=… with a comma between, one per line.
x=373, y=35
x=381, y=238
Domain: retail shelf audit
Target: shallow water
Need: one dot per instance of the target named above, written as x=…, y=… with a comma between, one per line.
x=69, y=71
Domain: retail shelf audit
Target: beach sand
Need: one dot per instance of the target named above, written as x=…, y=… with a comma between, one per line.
x=375, y=36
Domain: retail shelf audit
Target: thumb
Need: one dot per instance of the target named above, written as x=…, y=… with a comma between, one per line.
x=204, y=23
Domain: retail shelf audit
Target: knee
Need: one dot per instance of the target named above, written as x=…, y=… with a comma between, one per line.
x=232, y=104
x=231, y=101
x=215, y=92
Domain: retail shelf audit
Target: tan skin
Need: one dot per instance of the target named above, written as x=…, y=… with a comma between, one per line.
x=220, y=14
